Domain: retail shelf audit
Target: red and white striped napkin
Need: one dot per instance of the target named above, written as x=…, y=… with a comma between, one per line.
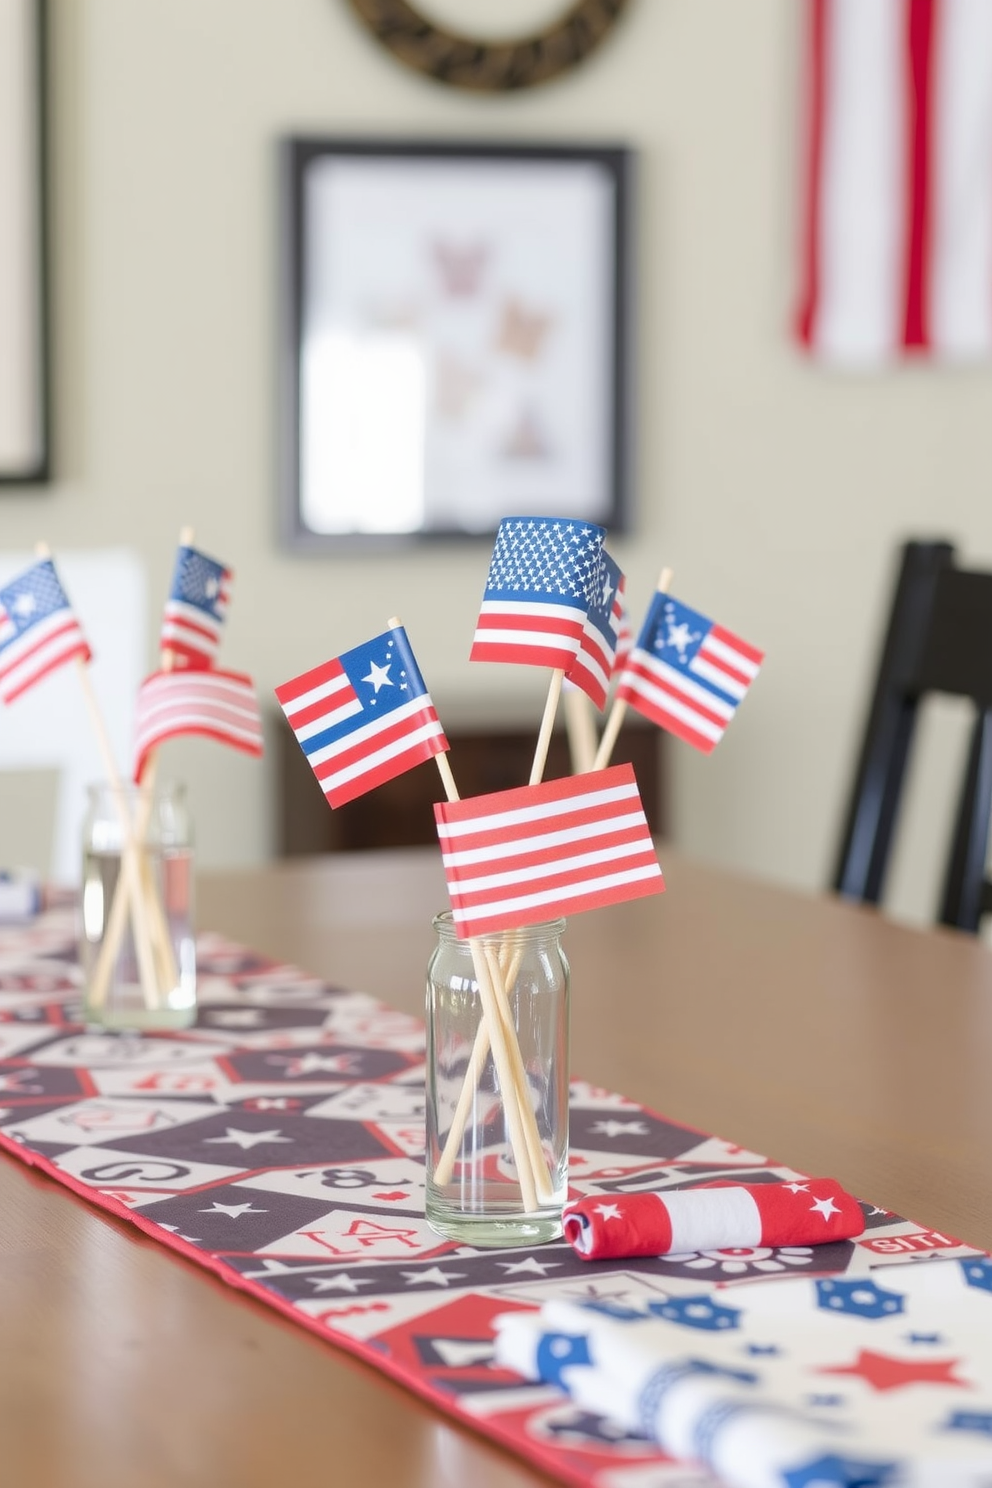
x=807, y=1211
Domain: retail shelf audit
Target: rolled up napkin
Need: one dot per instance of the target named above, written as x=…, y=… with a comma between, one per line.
x=724, y=1216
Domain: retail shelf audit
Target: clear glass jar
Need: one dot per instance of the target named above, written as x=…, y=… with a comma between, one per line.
x=137, y=948
x=497, y=1107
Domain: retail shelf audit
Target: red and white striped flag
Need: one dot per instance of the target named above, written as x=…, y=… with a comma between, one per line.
x=897, y=236
x=521, y=856
x=210, y=704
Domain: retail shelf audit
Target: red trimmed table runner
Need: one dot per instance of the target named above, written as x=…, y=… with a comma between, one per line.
x=279, y=1143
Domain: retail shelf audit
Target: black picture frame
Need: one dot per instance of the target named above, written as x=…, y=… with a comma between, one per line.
x=436, y=277
x=25, y=401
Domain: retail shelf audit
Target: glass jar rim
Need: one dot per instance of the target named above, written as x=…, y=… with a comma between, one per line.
x=129, y=787
x=444, y=926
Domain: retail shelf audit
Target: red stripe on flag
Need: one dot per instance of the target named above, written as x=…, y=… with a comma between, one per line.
x=919, y=61
x=816, y=70
x=381, y=739
x=751, y=653
x=80, y=649
x=636, y=668
x=324, y=705
x=542, y=624
x=287, y=692
x=525, y=858
x=397, y=764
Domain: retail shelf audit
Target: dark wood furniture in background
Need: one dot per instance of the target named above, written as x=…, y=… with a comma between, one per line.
x=401, y=812
x=939, y=640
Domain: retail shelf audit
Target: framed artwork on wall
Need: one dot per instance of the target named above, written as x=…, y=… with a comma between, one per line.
x=24, y=414
x=455, y=338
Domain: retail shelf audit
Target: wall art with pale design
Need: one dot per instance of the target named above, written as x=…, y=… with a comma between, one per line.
x=454, y=337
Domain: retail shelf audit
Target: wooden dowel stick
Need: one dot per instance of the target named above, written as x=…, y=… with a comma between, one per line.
x=547, y=724
x=142, y=934
x=581, y=728
x=167, y=973
x=619, y=708
x=501, y=1034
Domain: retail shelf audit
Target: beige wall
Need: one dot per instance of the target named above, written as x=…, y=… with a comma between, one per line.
x=776, y=490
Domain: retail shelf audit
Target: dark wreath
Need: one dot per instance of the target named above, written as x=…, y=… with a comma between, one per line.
x=490, y=67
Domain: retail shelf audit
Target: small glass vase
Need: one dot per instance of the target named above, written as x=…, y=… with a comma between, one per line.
x=497, y=1106
x=137, y=949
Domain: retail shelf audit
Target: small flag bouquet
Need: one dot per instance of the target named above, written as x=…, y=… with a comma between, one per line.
x=189, y=695
x=519, y=858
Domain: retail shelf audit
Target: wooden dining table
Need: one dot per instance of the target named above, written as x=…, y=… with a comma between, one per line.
x=813, y=1031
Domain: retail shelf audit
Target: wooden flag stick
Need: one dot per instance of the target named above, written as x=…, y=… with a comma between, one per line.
x=133, y=897
x=619, y=707
x=142, y=938
x=581, y=727
x=166, y=970
x=547, y=725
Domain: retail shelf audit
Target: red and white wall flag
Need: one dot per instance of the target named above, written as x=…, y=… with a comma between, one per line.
x=897, y=210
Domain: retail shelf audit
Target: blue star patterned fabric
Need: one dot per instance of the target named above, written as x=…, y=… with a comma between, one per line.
x=818, y=1382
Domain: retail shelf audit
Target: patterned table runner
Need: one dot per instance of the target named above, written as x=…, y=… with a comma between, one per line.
x=279, y=1143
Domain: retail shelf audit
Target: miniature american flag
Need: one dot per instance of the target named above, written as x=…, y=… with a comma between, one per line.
x=38, y=629
x=196, y=608
x=687, y=674
x=540, y=584
x=593, y=666
x=364, y=717
x=210, y=704
x=521, y=856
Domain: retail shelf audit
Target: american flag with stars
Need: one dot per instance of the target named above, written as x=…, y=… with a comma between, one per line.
x=195, y=609
x=687, y=674
x=39, y=631
x=592, y=667
x=363, y=717
x=541, y=583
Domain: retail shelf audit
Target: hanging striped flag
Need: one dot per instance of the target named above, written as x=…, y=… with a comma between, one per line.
x=195, y=609
x=209, y=704
x=364, y=717
x=539, y=588
x=521, y=856
x=593, y=666
x=897, y=238
x=38, y=630
x=687, y=674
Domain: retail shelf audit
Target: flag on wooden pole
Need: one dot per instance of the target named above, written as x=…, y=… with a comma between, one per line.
x=521, y=856
x=210, y=704
x=687, y=674
x=539, y=588
x=39, y=631
x=363, y=717
x=195, y=609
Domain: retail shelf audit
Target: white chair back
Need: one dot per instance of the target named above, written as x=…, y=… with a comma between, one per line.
x=50, y=727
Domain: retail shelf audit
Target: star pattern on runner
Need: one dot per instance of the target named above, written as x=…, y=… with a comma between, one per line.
x=247, y=1139
x=886, y=1372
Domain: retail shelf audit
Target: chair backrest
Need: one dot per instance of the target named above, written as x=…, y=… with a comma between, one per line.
x=50, y=727
x=939, y=639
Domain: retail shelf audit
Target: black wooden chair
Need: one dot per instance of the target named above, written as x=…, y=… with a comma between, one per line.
x=939, y=639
